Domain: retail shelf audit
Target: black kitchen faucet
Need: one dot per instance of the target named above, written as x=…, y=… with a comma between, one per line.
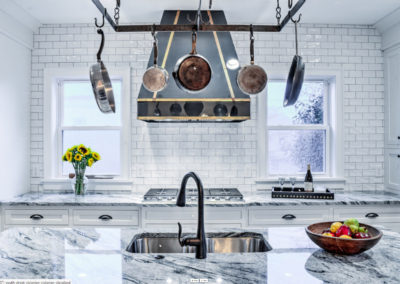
x=200, y=241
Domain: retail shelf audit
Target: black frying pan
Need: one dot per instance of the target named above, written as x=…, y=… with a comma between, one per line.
x=296, y=76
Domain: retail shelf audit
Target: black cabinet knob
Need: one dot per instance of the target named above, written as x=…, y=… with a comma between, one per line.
x=288, y=217
x=371, y=215
x=398, y=156
x=105, y=217
x=36, y=217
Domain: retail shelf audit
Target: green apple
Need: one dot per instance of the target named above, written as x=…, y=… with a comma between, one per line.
x=352, y=221
x=362, y=230
x=354, y=229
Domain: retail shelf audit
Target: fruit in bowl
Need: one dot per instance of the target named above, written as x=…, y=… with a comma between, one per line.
x=349, y=229
x=348, y=237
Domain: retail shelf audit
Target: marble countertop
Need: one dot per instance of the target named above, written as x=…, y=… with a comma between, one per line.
x=258, y=199
x=97, y=255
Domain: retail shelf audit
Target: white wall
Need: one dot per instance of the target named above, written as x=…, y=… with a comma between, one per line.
x=15, y=83
x=226, y=154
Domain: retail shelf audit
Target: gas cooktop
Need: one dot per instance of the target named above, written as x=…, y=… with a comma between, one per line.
x=211, y=194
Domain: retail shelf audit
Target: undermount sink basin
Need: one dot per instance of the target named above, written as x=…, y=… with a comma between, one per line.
x=243, y=242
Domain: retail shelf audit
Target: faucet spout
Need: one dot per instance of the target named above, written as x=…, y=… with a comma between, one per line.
x=200, y=241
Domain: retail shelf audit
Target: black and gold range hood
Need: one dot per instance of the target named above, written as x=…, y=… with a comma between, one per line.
x=221, y=100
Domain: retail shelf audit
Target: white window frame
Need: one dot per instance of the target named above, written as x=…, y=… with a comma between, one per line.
x=333, y=112
x=53, y=179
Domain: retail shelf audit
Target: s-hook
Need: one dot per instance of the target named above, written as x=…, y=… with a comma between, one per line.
x=290, y=4
x=116, y=11
x=102, y=24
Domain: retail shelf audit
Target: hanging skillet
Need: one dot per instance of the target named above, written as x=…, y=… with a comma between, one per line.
x=192, y=72
x=100, y=80
x=155, y=78
x=252, y=79
x=296, y=75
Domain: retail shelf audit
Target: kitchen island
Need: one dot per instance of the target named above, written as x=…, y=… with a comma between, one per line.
x=98, y=255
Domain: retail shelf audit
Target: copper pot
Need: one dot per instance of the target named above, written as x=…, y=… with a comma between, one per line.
x=192, y=72
x=252, y=79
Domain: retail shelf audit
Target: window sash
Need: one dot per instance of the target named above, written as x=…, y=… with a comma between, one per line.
x=325, y=126
x=60, y=126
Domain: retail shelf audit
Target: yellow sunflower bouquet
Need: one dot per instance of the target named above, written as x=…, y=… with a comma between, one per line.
x=80, y=157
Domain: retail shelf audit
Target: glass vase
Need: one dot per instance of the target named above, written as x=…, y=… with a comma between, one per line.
x=80, y=182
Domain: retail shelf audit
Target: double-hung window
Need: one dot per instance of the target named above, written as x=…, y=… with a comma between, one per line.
x=72, y=117
x=308, y=132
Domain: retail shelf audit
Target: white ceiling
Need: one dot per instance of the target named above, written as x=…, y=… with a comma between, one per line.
x=237, y=11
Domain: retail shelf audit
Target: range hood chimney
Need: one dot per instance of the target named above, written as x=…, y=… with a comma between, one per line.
x=221, y=100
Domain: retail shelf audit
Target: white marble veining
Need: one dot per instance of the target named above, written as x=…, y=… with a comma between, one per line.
x=259, y=199
x=97, y=255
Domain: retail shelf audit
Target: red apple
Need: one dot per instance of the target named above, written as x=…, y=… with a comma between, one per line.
x=362, y=236
x=343, y=230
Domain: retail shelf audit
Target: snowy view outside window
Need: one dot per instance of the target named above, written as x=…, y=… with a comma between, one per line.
x=297, y=134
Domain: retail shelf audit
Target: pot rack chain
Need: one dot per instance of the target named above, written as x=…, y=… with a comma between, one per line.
x=201, y=27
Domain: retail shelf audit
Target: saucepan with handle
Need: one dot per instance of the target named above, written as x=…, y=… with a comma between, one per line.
x=296, y=75
x=100, y=80
x=192, y=72
x=155, y=78
x=252, y=79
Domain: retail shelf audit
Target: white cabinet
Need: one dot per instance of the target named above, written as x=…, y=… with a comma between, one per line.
x=392, y=118
x=388, y=216
x=105, y=217
x=214, y=217
x=287, y=216
x=36, y=216
x=392, y=168
x=392, y=97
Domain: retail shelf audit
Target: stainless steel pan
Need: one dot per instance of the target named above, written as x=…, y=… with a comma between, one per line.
x=101, y=82
x=295, y=77
x=155, y=78
x=252, y=79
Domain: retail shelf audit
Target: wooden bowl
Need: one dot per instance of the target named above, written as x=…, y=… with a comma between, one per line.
x=339, y=245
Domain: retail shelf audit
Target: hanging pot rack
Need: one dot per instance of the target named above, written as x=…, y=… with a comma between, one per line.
x=199, y=26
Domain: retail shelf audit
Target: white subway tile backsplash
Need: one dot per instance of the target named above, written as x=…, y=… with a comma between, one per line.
x=226, y=154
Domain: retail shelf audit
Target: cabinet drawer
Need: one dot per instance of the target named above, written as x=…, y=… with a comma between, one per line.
x=369, y=214
x=106, y=217
x=36, y=217
x=287, y=216
x=211, y=214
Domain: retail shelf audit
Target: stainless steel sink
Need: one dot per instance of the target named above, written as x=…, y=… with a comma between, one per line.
x=243, y=242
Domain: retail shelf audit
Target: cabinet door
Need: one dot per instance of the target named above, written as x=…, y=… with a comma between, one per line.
x=36, y=217
x=392, y=168
x=392, y=97
x=106, y=217
x=288, y=216
x=388, y=216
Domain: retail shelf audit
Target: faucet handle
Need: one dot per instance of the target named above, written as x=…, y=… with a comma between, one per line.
x=180, y=239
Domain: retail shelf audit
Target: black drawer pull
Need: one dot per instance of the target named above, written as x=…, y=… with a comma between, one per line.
x=398, y=137
x=398, y=156
x=36, y=217
x=288, y=217
x=371, y=215
x=105, y=217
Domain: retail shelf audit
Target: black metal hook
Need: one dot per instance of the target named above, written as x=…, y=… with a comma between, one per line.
x=102, y=24
x=296, y=21
x=210, y=5
x=290, y=3
x=100, y=32
x=153, y=31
